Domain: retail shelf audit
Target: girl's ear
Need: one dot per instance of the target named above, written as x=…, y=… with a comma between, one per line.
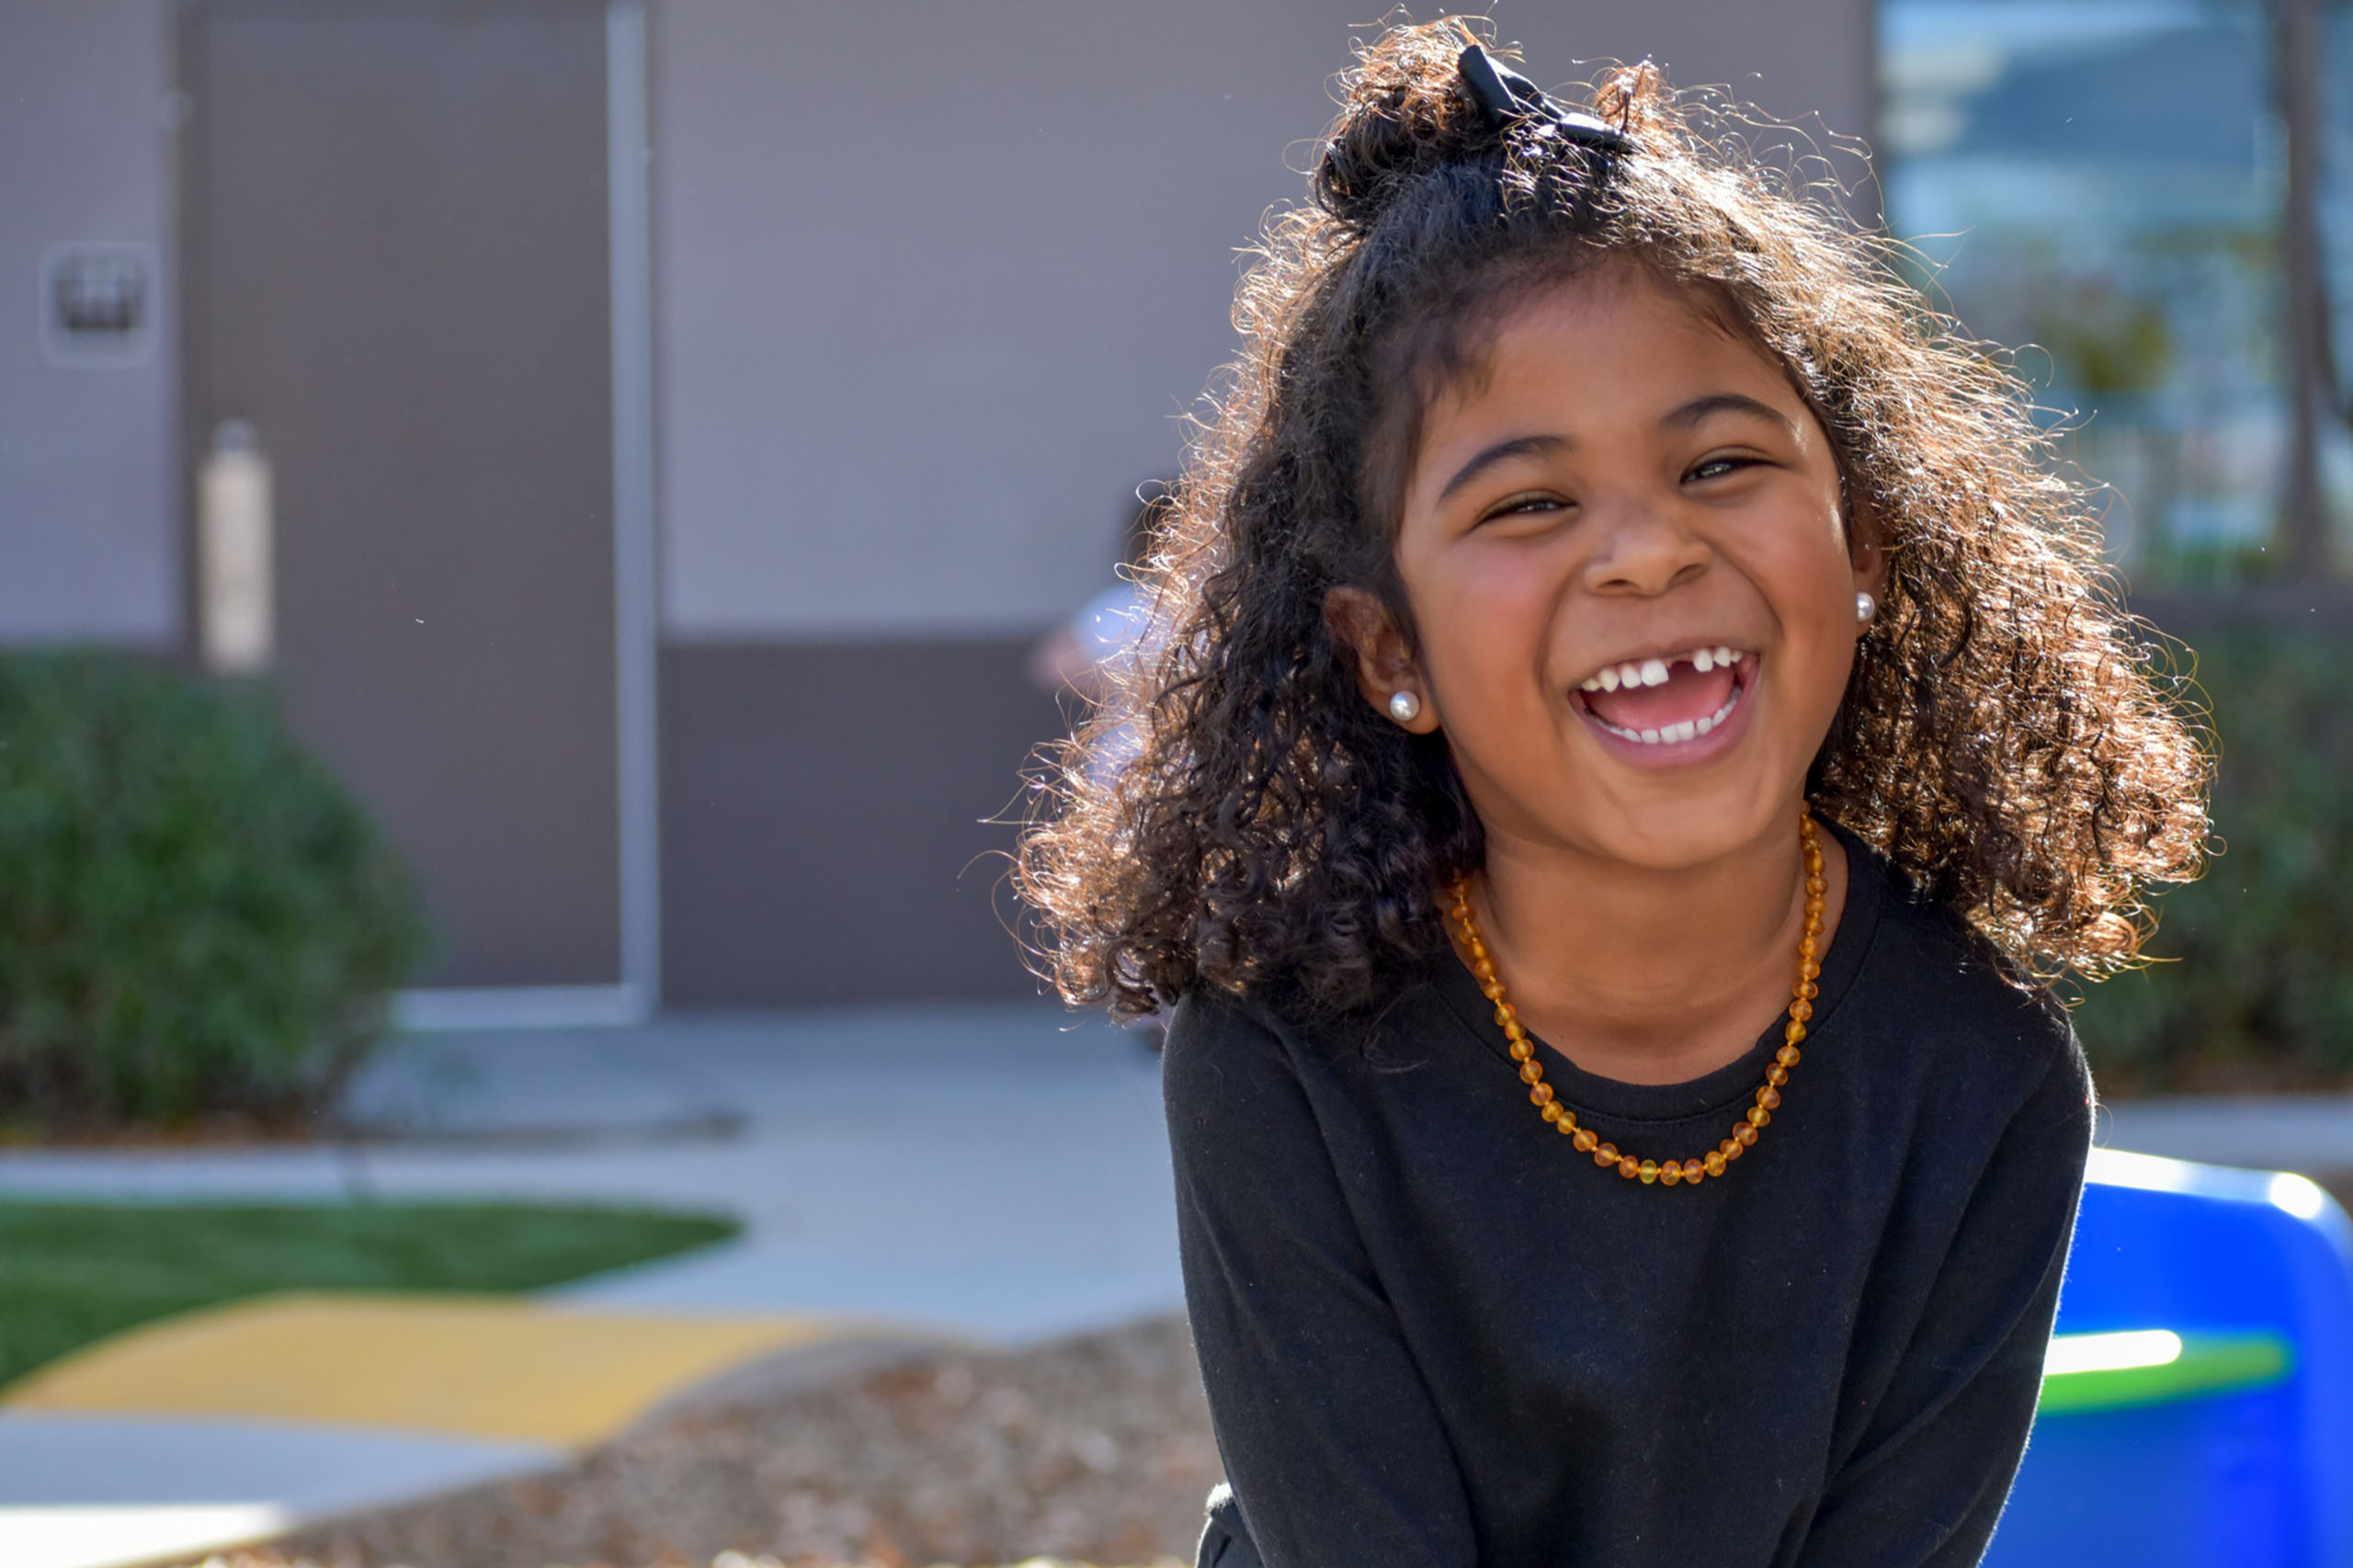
x=1359, y=622
x=1866, y=550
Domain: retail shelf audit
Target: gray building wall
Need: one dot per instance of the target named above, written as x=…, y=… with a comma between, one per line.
x=934, y=287
x=88, y=501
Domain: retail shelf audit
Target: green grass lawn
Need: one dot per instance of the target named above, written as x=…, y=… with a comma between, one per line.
x=71, y=1273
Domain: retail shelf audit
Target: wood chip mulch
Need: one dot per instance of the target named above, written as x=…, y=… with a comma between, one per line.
x=1093, y=1450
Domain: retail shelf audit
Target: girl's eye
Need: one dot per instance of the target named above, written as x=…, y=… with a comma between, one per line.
x=1718, y=468
x=1534, y=504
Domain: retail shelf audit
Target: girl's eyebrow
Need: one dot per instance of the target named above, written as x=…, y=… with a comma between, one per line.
x=1511, y=447
x=1700, y=408
x=1690, y=414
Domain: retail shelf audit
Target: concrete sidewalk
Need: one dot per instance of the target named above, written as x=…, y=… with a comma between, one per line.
x=998, y=1171
x=2312, y=1135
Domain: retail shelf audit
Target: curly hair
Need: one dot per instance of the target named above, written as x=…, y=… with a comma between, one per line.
x=2005, y=738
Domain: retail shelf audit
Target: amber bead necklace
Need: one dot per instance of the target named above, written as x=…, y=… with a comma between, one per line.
x=1666, y=1173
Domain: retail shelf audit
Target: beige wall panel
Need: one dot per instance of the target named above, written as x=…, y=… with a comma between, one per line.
x=936, y=281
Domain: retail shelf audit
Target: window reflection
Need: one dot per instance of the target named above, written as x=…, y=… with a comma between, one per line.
x=2104, y=179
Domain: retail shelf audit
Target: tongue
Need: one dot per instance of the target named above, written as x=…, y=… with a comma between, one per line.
x=1686, y=694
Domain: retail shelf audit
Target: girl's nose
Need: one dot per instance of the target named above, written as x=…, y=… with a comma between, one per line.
x=1644, y=551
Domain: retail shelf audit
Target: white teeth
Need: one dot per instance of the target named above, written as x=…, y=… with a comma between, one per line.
x=1685, y=730
x=1657, y=672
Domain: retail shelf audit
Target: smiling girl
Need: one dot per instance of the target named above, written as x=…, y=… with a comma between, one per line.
x=1644, y=728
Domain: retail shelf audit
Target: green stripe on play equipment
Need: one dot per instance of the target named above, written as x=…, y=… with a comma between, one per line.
x=2208, y=1365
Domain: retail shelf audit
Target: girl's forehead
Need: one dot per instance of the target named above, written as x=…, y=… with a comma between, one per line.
x=1613, y=315
x=1601, y=344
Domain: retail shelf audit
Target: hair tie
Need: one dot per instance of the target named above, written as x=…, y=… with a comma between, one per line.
x=1504, y=94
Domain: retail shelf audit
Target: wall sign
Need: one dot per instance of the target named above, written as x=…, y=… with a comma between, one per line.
x=99, y=304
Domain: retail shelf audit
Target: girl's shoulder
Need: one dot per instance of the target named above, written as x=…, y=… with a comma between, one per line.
x=1939, y=1012
x=1241, y=1080
x=1222, y=1046
x=1214, y=1034
x=1931, y=949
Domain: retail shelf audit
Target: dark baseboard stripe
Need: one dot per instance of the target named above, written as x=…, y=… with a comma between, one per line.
x=825, y=832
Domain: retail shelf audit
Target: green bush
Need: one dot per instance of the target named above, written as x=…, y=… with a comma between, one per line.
x=196, y=919
x=2257, y=991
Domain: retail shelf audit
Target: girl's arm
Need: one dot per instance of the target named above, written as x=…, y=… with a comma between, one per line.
x=1927, y=1481
x=1329, y=1437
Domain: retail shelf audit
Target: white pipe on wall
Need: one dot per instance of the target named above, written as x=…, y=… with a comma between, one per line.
x=233, y=529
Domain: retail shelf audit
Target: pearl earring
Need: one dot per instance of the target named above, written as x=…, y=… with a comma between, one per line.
x=1865, y=607
x=1405, y=707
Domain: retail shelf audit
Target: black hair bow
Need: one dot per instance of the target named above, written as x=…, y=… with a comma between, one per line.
x=1504, y=94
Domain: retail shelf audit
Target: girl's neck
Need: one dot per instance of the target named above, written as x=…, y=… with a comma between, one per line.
x=1648, y=976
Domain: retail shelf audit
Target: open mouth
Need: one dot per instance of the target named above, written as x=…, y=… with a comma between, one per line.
x=1669, y=698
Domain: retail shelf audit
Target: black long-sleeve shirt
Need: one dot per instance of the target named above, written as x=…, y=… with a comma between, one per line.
x=1436, y=1336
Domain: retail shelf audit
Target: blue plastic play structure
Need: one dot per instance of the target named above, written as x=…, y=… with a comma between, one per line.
x=2198, y=1404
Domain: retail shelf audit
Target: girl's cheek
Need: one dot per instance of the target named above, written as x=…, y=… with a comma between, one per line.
x=1506, y=589
x=1499, y=634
